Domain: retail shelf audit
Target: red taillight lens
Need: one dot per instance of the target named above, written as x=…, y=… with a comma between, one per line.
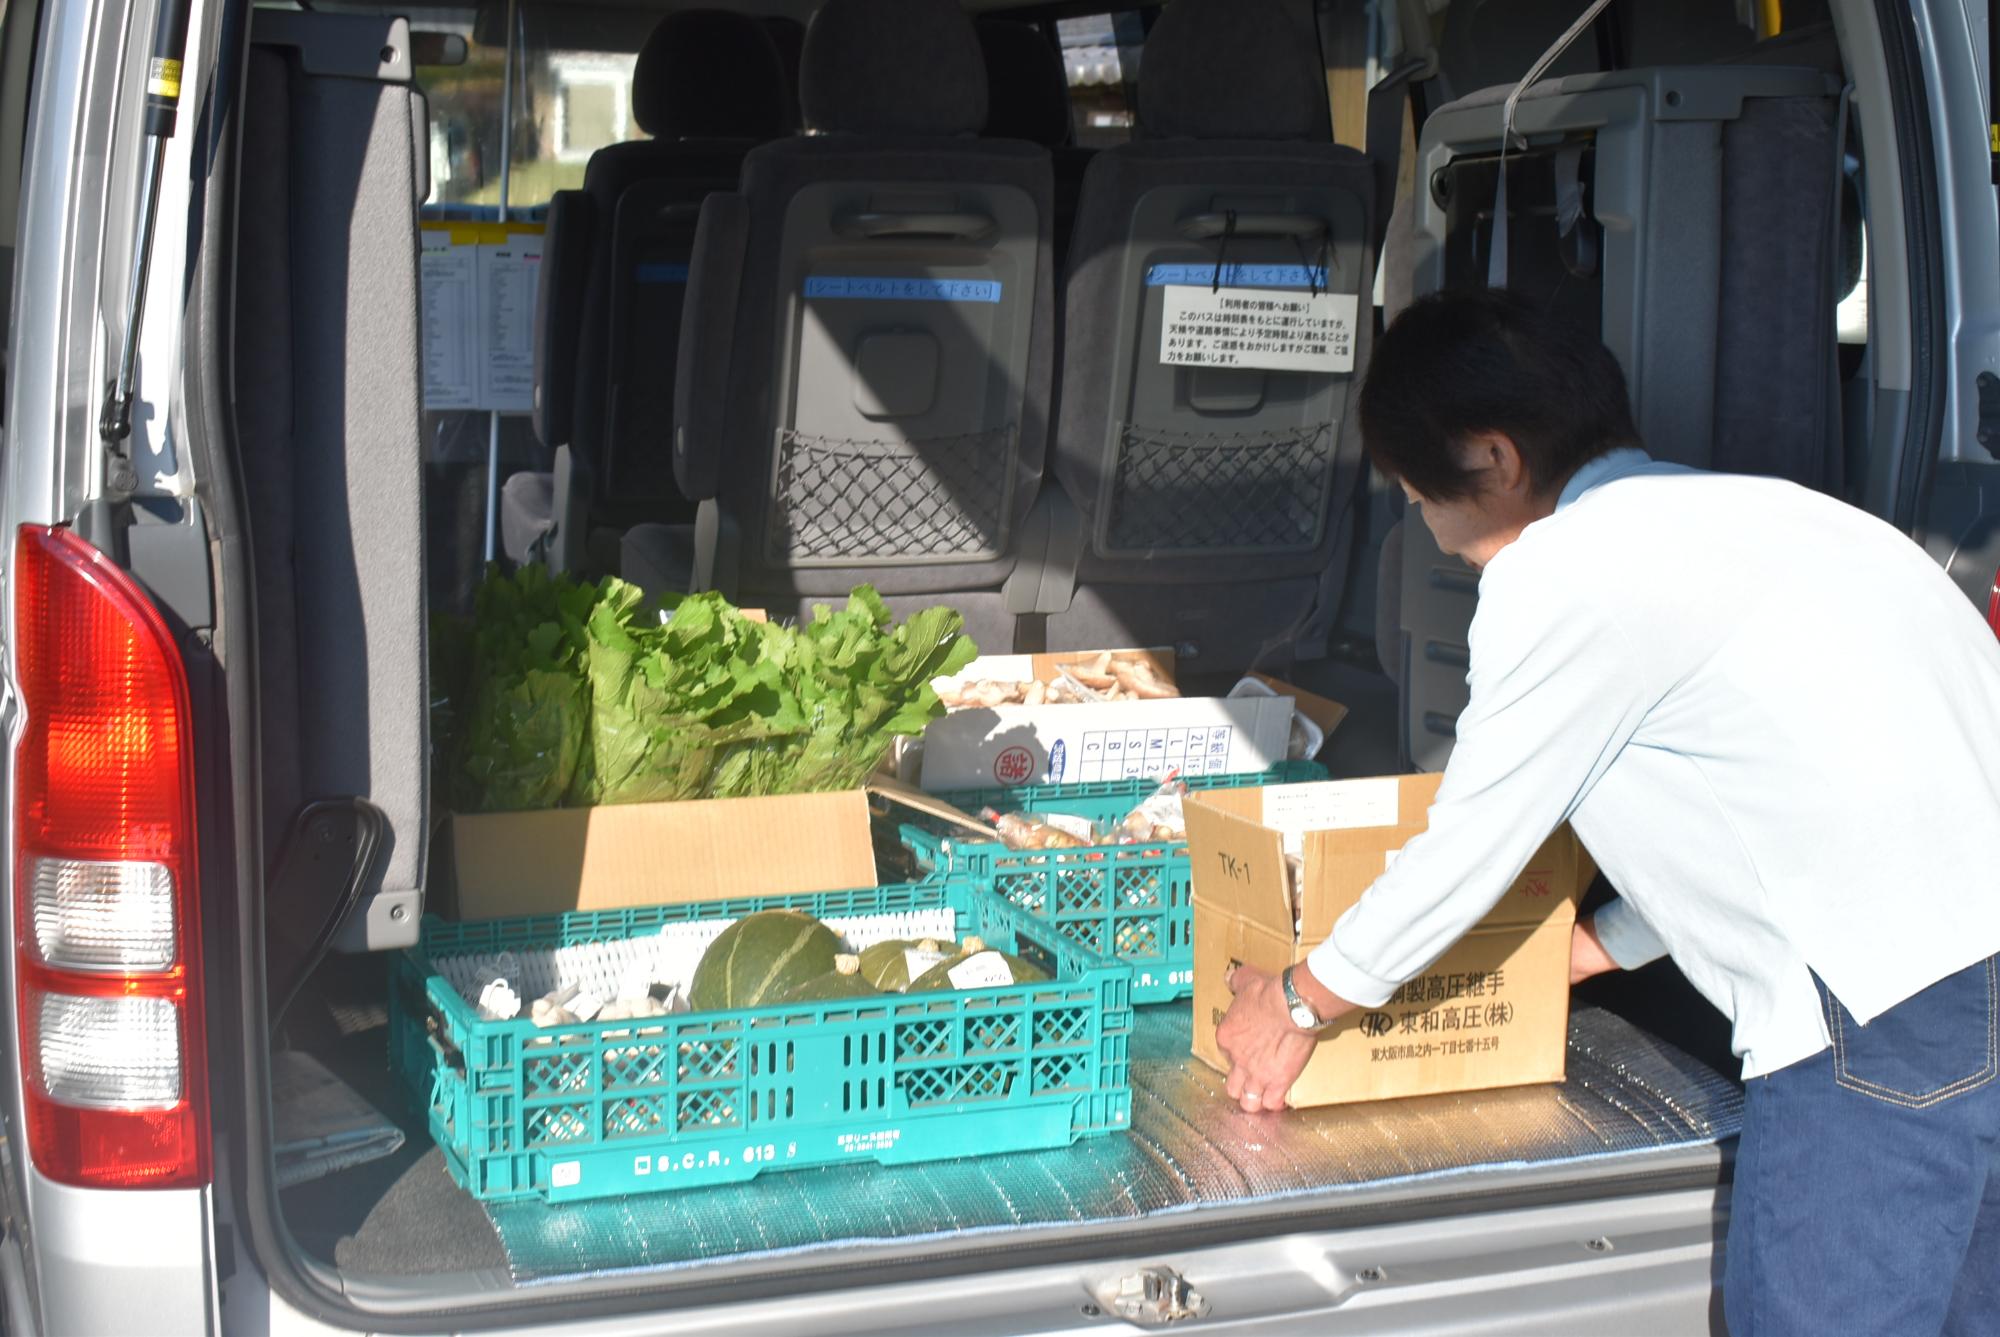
x=1993, y=605
x=106, y=913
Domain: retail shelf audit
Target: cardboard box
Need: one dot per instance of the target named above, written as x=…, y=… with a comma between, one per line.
x=1048, y=667
x=1115, y=740
x=1492, y=1011
x=1322, y=711
x=631, y=854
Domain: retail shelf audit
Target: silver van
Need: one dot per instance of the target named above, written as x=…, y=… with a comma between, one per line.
x=316, y=309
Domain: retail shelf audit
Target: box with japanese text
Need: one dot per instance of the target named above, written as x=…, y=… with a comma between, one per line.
x=1492, y=1011
x=1115, y=740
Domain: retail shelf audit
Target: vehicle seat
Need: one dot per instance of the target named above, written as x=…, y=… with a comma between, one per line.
x=1204, y=506
x=708, y=86
x=864, y=378
x=1716, y=291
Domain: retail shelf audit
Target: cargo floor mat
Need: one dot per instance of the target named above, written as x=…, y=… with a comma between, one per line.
x=1189, y=1150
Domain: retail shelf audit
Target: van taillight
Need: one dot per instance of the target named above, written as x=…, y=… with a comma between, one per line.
x=106, y=910
x=1993, y=605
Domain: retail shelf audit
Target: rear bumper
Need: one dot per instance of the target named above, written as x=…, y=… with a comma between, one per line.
x=116, y=1262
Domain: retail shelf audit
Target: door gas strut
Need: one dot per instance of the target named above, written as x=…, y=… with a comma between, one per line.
x=163, y=97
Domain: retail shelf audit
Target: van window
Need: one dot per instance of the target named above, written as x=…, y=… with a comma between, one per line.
x=1101, y=59
x=572, y=95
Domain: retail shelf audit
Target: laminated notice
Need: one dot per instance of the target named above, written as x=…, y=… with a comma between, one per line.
x=985, y=971
x=1270, y=329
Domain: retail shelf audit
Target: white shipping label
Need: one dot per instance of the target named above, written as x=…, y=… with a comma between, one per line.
x=985, y=971
x=565, y=1174
x=1272, y=329
x=1330, y=805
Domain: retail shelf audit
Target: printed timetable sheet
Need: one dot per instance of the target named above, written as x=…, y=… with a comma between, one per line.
x=479, y=283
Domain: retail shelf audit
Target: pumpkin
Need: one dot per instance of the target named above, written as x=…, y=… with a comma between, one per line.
x=843, y=982
x=885, y=966
x=761, y=958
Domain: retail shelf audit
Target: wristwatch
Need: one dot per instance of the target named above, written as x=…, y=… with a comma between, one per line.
x=1302, y=1012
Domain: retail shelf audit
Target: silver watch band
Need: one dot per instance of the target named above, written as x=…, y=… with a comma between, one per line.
x=1296, y=1001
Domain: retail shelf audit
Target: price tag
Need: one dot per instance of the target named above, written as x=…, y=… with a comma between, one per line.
x=1070, y=825
x=987, y=970
x=916, y=960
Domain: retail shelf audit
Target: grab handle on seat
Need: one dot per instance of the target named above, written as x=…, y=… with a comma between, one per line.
x=957, y=226
x=1209, y=227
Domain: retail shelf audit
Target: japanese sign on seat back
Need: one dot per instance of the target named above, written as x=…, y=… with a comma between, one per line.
x=1263, y=317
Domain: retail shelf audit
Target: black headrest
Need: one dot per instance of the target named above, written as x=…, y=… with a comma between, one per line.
x=1231, y=69
x=790, y=37
x=1027, y=90
x=893, y=67
x=709, y=73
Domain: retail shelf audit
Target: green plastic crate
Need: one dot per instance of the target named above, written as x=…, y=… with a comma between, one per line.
x=1135, y=902
x=701, y=1098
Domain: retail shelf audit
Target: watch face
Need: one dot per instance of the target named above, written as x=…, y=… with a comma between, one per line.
x=1303, y=1018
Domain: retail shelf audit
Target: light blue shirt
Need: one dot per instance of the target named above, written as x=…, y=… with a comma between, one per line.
x=1771, y=718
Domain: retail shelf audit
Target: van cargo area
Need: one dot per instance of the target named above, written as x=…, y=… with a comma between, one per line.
x=1633, y=1109
x=327, y=329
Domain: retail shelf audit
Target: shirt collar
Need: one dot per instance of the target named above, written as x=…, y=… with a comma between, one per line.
x=1606, y=468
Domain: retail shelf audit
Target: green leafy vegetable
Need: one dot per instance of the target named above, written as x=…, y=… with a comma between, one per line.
x=579, y=694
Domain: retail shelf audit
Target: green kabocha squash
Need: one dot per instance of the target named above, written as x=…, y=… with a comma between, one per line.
x=842, y=983
x=761, y=958
x=886, y=965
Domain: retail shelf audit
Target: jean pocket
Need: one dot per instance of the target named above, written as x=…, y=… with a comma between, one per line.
x=1940, y=1043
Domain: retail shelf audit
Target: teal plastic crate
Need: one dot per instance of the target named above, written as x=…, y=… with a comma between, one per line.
x=1135, y=902
x=1109, y=800
x=701, y=1098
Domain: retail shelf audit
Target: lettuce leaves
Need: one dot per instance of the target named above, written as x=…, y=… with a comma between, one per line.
x=579, y=694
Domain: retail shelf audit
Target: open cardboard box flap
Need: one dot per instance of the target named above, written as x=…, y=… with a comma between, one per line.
x=930, y=805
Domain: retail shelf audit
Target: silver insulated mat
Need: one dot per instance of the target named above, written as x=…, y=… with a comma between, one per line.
x=1189, y=1150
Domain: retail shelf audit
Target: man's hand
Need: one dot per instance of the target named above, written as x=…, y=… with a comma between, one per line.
x=1587, y=956
x=1266, y=1052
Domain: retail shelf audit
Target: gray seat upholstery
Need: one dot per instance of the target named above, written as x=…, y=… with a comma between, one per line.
x=1207, y=505
x=865, y=365
x=708, y=86
x=328, y=424
x=1718, y=298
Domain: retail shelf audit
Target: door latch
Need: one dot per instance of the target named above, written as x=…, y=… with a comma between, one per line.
x=1152, y=1297
x=1988, y=386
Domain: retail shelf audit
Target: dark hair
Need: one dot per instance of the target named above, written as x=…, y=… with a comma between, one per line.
x=1466, y=361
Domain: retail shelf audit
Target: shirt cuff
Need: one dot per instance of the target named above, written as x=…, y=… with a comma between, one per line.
x=1625, y=935
x=1347, y=980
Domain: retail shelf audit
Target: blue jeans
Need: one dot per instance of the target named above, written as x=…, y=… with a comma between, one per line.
x=1867, y=1191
